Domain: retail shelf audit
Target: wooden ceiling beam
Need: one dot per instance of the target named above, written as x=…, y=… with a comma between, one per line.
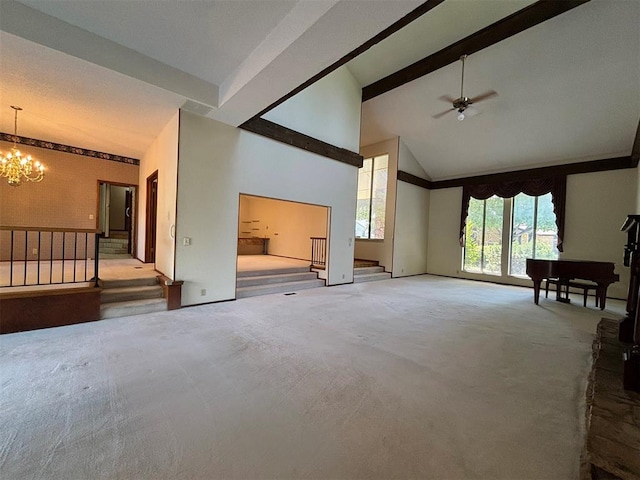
x=515, y=23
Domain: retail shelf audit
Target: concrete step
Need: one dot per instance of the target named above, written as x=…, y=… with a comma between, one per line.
x=286, y=287
x=273, y=271
x=271, y=279
x=132, y=282
x=367, y=270
x=124, y=294
x=132, y=307
x=371, y=277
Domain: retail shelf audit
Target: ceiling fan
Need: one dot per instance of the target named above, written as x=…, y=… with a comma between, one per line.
x=462, y=104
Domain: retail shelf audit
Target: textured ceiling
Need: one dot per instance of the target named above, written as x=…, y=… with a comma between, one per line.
x=568, y=91
x=109, y=75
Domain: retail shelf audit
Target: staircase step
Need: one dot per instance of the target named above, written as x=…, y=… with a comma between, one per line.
x=367, y=270
x=271, y=279
x=113, y=250
x=114, y=241
x=358, y=262
x=132, y=307
x=123, y=294
x=108, y=256
x=273, y=271
x=245, y=292
x=371, y=277
x=131, y=282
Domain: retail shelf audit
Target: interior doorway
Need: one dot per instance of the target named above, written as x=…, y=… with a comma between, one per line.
x=152, y=218
x=282, y=228
x=116, y=219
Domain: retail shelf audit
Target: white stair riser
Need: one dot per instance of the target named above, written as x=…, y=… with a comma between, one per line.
x=371, y=278
x=275, y=271
x=278, y=288
x=367, y=270
x=271, y=279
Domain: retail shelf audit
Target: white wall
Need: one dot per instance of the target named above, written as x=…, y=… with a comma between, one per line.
x=161, y=156
x=288, y=225
x=382, y=250
x=597, y=204
x=444, y=255
x=410, y=246
x=328, y=110
x=217, y=162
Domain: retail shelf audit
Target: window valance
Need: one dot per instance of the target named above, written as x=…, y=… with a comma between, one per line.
x=557, y=186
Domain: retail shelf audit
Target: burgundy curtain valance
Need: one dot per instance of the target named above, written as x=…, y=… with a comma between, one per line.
x=557, y=186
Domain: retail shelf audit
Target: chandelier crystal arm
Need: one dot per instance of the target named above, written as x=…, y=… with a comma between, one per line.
x=16, y=167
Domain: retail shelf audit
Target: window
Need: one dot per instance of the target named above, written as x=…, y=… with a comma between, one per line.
x=372, y=197
x=527, y=222
x=534, y=233
x=483, y=239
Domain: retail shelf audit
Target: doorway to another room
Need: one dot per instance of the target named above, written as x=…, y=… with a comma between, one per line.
x=116, y=219
x=282, y=246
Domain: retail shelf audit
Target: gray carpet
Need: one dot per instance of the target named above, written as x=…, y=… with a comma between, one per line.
x=424, y=377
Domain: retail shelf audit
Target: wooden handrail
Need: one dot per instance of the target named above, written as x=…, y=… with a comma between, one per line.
x=46, y=229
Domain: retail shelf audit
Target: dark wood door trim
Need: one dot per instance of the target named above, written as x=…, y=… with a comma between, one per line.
x=151, y=218
x=515, y=23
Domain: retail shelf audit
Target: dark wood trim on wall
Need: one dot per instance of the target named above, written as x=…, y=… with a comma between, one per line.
x=515, y=23
x=33, y=142
x=403, y=22
x=635, y=150
x=412, y=179
x=617, y=163
x=296, y=139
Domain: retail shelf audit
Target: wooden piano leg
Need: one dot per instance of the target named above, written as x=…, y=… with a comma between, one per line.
x=536, y=290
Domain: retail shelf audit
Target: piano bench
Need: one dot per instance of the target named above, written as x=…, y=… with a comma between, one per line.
x=585, y=287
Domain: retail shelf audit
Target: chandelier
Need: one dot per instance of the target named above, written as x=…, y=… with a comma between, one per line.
x=16, y=167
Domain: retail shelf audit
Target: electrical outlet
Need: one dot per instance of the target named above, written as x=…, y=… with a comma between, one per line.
x=91, y=217
x=203, y=292
x=186, y=241
x=35, y=251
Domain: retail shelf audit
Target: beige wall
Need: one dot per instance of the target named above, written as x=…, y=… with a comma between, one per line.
x=217, y=163
x=382, y=250
x=597, y=204
x=163, y=157
x=288, y=225
x=66, y=198
x=411, y=236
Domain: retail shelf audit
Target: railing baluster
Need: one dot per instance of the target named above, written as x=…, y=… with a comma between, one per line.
x=26, y=257
x=75, y=254
x=51, y=259
x=19, y=252
x=64, y=237
x=95, y=266
x=11, y=262
x=86, y=254
x=39, y=244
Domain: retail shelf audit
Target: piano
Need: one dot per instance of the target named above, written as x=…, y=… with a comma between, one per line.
x=600, y=273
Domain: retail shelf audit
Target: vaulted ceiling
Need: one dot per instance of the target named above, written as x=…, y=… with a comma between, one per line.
x=109, y=75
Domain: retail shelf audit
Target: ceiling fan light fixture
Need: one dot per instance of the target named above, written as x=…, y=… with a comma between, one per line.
x=461, y=116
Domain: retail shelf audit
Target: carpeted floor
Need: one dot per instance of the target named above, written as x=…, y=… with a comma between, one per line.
x=423, y=377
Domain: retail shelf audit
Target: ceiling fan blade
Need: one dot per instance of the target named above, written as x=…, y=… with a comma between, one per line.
x=441, y=114
x=483, y=96
x=447, y=98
